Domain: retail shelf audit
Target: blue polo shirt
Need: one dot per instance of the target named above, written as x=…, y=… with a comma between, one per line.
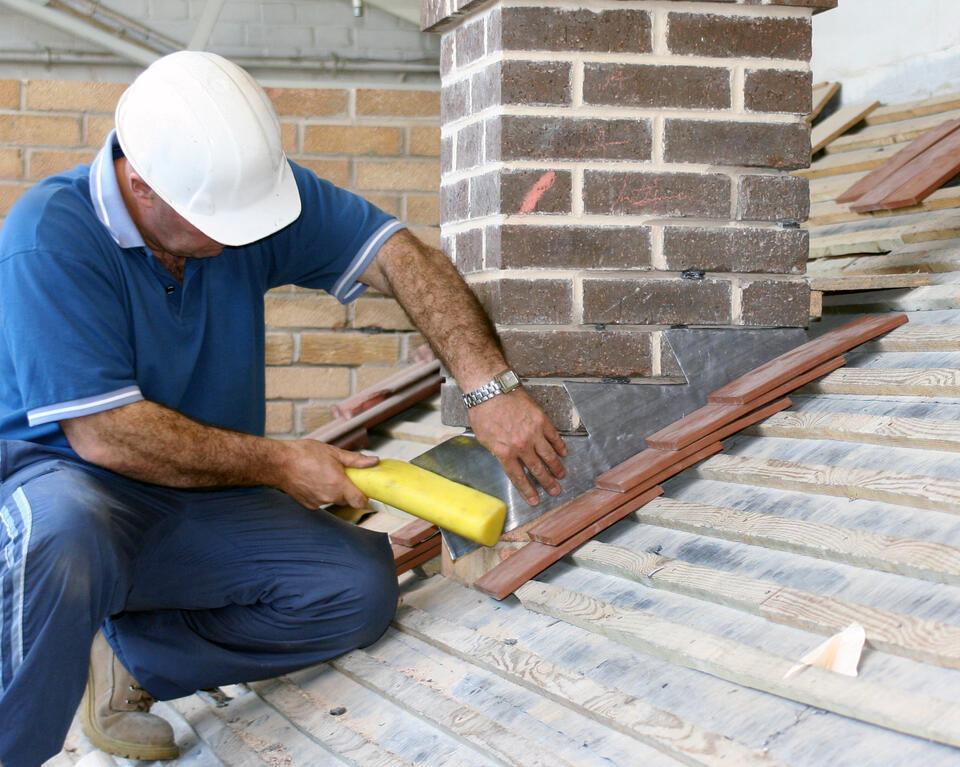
x=90, y=320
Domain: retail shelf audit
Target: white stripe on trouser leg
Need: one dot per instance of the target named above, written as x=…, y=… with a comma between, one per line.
x=16, y=573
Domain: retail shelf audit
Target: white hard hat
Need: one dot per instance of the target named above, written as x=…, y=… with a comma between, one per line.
x=203, y=134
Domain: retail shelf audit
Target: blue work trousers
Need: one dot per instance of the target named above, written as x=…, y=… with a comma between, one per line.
x=192, y=589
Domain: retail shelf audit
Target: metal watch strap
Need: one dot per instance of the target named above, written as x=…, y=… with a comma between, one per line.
x=492, y=388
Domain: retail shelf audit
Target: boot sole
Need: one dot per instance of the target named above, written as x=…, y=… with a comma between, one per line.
x=113, y=746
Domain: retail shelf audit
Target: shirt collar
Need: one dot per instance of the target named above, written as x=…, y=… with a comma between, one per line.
x=106, y=197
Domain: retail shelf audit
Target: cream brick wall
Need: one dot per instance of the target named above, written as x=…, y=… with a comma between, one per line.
x=383, y=144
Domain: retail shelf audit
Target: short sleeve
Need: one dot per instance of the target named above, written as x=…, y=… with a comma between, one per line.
x=66, y=330
x=333, y=241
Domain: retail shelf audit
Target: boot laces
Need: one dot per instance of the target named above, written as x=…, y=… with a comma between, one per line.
x=139, y=698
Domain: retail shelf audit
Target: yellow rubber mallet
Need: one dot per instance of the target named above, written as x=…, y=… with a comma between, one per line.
x=445, y=503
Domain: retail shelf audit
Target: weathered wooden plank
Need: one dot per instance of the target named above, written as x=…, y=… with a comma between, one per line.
x=829, y=212
x=422, y=557
x=816, y=304
x=933, y=257
x=918, y=338
x=910, y=109
x=922, y=433
x=535, y=557
x=466, y=724
x=847, y=162
x=650, y=462
x=882, y=235
x=312, y=714
x=867, y=282
x=822, y=93
x=905, y=635
x=921, y=382
x=927, y=560
x=891, y=133
x=839, y=123
x=562, y=526
x=805, y=357
x=919, y=491
x=403, y=554
x=605, y=705
x=922, y=299
x=881, y=175
x=414, y=532
x=887, y=706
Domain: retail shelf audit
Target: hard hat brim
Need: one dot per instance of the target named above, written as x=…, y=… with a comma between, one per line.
x=253, y=222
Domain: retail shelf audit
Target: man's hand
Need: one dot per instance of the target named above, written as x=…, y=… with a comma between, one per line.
x=514, y=428
x=314, y=474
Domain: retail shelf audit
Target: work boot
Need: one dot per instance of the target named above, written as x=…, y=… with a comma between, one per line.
x=114, y=711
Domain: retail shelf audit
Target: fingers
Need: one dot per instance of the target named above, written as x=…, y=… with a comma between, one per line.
x=516, y=474
x=357, y=460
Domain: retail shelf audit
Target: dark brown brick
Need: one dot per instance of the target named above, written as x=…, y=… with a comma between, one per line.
x=569, y=247
x=773, y=198
x=776, y=303
x=555, y=29
x=578, y=353
x=520, y=191
x=470, y=145
x=518, y=137
x=470, y=251
x=533, y=83
x=784, y=146
x=553, y=398
x=619, y=301
x=777, y=90
x=454, y=101
x=526, y=301
x=770, y=251
x=454, y=201
x=485, y=88
x=705, y=34
x=665, y=194
x=470, y=42
x=656, y=86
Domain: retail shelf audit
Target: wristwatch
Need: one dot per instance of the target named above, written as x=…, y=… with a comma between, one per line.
x=502, y=383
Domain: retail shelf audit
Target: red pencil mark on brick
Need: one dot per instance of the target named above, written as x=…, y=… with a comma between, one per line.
x=537, y=191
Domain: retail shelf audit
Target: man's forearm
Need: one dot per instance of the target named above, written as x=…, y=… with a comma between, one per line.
x=151, y=443
x=442, y=307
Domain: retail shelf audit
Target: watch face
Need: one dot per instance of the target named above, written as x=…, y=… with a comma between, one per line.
x=508, y=380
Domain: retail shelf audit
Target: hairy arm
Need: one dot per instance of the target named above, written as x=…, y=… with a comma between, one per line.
x=151, y=443
x=445, y=310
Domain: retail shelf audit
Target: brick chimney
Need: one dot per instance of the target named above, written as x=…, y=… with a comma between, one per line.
x=610, y=169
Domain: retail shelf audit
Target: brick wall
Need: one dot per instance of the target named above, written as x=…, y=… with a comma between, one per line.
x=384, y=144
x=612, y=169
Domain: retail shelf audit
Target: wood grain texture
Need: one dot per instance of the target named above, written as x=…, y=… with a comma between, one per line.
x=847, y=162
x=934, y=257
x=822, y=93
x=829, y=212
x=918, y=338
x=911, y=109
x=897, y=633
x=571, y=520
x=880, y=176
x=883, y=234
x=919, y=491
x=607, y=706
x=468, y=725
x=921, y=382
x=805, y=357
x=311, y=714
x=535, y=557
x=895, y=431
x=414, y=532
x=838, y=123
x=873, y=136
x=650, y=462
x=916, y=180
x=867, y=282
x=867, y=701
x=927, y=560
x=922, y=299
x=422, y=555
